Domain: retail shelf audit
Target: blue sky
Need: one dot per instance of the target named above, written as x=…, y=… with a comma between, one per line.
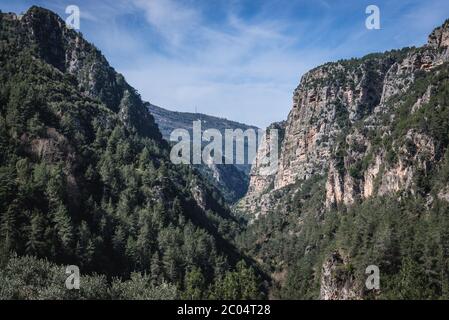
x=239, y=59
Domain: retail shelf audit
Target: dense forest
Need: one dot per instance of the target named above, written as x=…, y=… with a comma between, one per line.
x=404, y=233
x=85, y=179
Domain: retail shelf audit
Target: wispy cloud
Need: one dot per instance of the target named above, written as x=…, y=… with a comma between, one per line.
x=245, y=70
x=240, y=59
x=171, y=19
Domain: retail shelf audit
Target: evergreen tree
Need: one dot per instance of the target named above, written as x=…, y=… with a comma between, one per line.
x=194, y=285
x=36, y=244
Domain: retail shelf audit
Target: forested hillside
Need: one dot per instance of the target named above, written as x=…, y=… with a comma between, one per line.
x=363, y=180
x=85, y=179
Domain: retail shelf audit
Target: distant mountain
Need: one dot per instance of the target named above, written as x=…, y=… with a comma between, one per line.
x=232, y=180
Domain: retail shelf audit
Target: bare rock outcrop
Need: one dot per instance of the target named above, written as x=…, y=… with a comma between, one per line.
x=340, y=113
x=337, y=281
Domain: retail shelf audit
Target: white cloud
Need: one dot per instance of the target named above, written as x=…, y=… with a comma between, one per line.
x=257, y=92
x=243, y=70
x=171, y=19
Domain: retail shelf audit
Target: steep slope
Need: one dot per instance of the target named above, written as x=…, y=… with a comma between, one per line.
x=232, y=180
x=260, y=185
x=362, y=180
x=86, y=178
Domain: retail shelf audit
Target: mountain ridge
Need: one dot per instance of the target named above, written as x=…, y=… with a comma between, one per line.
x=86, y=180
x=362, y=169
x=231, y=179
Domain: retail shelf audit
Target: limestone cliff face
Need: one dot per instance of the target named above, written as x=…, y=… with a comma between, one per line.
x=340, y=113
x=439, y=38
x=337, y=282
x=326, y=99
x=257, y=199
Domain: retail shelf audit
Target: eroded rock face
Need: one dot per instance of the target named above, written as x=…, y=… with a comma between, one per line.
x=444, y=194
x=370, y=176
x=339, y=188
x=337, y=109
x=260, y=181
x=440, y=36
x=337, y=281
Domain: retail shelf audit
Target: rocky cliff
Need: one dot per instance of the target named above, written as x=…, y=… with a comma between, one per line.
x=366, y=139
x=337, y=283
x=260, y=184
x=341, y=110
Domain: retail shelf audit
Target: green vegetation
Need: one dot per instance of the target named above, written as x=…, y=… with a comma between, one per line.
x=408, y=242
x=31, y=279
x=85, y=179
x=405, y=233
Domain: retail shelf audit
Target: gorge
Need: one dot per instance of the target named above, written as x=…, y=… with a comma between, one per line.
x=86, y=179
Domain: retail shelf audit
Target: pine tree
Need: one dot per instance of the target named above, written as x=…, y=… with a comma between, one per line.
x=85, y=248
x=410, y=283
x=169, y=262
x=155, y=268
x=143, y=246
x=144, y=159
x=8, y=233
x=194, y=285
x=63, y=227
x=36, y=244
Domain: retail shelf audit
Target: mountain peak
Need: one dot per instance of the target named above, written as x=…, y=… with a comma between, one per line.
x=37, y=9
x=440, y=36
x=48, y=38
x=42, y=14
